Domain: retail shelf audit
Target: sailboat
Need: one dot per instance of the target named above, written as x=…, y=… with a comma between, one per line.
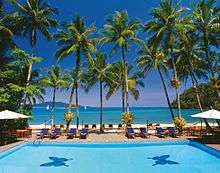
x=48, y=107
x=85, y=107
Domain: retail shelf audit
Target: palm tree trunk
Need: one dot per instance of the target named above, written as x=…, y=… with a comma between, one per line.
x=176, y=87
x=33, y=47
x=123, y=98
x=76, y=87
x=125, y=80
x=166, y=93
x=53, y=106
x=101, y=107
x=71, y=100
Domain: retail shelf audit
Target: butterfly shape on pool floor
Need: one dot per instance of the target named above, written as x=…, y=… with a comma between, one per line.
x=56, y=162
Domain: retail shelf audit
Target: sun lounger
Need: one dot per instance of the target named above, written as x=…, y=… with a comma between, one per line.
x=144, y=133
x=43, y=133
x=130, y=132
x=160, y=132
x=84, y=133
x=71, y=133
x=55, y=133
x=171, y=132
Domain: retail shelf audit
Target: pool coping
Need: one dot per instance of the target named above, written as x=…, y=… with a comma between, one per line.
x=195, y=144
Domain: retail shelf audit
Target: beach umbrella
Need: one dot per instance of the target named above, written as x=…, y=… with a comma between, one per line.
x=9, y=115
x=210, y=114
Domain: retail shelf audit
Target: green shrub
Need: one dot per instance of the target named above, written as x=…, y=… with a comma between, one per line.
x=127, y=118
x=179, y=123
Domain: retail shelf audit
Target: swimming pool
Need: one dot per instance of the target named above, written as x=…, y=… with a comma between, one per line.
x=152, y=157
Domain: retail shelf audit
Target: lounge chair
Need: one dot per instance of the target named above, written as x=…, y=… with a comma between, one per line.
x=43, y=133
x=160, y=132
x=84, y=133
x=171, y=132
x=71, y=133
x=55, y=133
x=130, y=132
x=143, y=133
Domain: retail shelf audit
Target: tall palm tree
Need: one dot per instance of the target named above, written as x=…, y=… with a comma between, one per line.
x=117, y=76
x=22, y=60
x=6, y=31
x=191, y=64
x=166, y=27
x=151, y=59
x=76, y=38
x=99, y=72
x=54, y=79
x=33, y=17
x=121, y=32
x=206, y=18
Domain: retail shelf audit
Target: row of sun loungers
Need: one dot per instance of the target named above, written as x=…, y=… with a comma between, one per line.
x=159, y=132
x=55, y=133
x=130, y=133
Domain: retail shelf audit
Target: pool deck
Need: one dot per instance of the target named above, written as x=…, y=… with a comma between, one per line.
x=110, y=137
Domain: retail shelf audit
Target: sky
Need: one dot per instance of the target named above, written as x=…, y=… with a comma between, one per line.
x=95, y=12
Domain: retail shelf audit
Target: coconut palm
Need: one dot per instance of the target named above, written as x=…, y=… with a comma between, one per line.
x=166, y=27
x=206, y=18
x=76, y=38
x=191, y=65
x=99, y=72
x=33, y=17
x=54, y=79
x=117, y=75
x=151, y=59
x=121, y=32
x=22, y=61
x=6, y=31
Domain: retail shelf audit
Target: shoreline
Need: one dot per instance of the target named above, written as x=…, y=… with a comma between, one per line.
x=115, y=126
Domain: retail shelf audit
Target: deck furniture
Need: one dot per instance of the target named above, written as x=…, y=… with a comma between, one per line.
x=84, y=133
x=130, y=132
x=144, y=133
x=71, y=133
x=160, y=132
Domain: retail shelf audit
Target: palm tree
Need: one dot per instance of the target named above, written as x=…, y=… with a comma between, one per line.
x=206, y=18
x=54, y=79
x=121, y=32
x=99, y=72
x=6, y=32
x=22, y=60
x=117, y=79
x=191, y=64
x=151, y=59
x=76, y=38
x=166, y=27
x=32, y=17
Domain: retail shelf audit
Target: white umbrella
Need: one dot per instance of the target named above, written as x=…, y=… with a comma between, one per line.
x=211, y=114
x=8, y=115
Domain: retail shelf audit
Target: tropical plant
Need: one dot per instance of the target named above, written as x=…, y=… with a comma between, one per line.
x=206, y=18
x=76, y=38
x=151, y=59
x=121, y=32
x=32, y=17
x=179, y=123
x=99, y=72
x=127, y=118
x=54, y=79
x=166, y=28
x=117, y=75
x=68, y=117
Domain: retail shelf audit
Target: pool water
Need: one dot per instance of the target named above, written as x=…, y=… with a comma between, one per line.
x=167, y=157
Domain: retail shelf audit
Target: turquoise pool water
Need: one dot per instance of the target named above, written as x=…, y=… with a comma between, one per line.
x=166, y=157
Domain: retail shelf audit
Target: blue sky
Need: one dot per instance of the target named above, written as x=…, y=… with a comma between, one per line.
x=95, y=12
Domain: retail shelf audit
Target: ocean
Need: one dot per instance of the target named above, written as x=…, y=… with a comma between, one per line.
x=111, y=115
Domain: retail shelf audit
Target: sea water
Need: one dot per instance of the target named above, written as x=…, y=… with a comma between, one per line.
x=90, y=115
